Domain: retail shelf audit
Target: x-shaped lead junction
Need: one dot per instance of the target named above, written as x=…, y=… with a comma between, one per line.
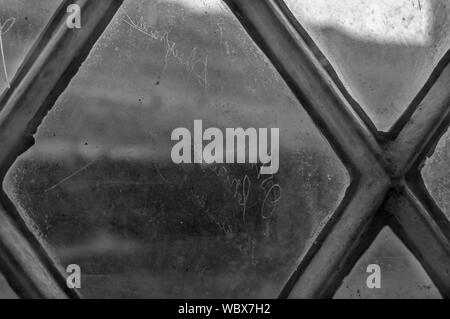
x=386, y=187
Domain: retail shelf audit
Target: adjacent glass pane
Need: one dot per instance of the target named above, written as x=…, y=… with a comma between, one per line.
x=5, y=290
x=436, y=174
x=102, y=188
x=402, y=276
x=21, y=21
x=382, y=50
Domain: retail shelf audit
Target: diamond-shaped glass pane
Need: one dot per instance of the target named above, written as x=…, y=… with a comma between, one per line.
x=21, y=21
x=383, y=51
x=5, y=290
x=401, y=275
x=102, y=188
x=436, y=174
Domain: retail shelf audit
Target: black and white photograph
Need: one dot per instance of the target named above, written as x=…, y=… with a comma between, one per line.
x=225, y=154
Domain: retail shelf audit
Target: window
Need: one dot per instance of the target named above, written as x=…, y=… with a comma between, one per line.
x=102, y=189
x=97, y=189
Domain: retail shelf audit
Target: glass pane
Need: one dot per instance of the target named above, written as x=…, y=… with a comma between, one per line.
x=382, y=50
x=104, y=190
x=21, y=21
x=436, y=174
x=5, y=290
x=401, y=274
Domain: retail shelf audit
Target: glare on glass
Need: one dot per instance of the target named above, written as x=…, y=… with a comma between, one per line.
x=383, y=51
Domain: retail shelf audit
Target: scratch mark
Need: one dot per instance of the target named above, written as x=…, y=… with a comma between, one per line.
x=160, y=175
x=4, y=28
x=192, y=63
x=70, y=176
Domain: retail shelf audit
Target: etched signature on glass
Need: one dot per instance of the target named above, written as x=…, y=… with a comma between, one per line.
x=192, y=62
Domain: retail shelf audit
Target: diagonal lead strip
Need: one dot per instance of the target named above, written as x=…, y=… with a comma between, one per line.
x=349, y=137
x=44, y=75
x=412, y=222
x=280, y=41
x=428, y=232
x=425, y=126
x=375, y=167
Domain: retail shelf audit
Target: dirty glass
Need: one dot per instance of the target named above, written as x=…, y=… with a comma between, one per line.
x=104, y=192
x=383, y=51
x=21, y=21
x=436, y=174
x=5, y=290
x=401, y=275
